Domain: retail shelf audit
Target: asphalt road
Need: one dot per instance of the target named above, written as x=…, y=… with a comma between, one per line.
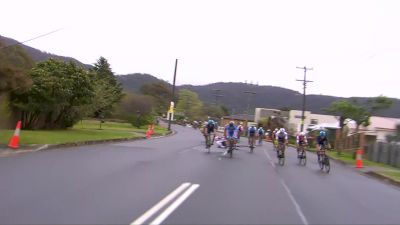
x=173, y=180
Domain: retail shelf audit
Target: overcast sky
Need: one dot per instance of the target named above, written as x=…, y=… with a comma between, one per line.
x=352, y=45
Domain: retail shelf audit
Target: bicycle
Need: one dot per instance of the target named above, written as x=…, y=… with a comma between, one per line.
x=208, y=142
x=323, y=160
x=231, y=145
x=281, y=153
x=260, y=139
x=302, y=155
x=251, y=144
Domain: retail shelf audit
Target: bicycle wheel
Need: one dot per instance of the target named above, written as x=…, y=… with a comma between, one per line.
x=321, y=162
x=303, y=158
x=327, y=165
x=231, y=147
x=281, y=160
x=208, y=144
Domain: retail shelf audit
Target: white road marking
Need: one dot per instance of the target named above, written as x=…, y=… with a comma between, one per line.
x=175, y=205
x=160, y=204
x=269, y=158
x=296, y=205
x=41, y=148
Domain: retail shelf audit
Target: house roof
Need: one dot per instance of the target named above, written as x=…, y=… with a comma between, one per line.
x=383, y=123
x=240, y=117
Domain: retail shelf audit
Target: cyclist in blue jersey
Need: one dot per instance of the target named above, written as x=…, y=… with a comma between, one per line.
x=252, y=135
x=322, y=140
x=231, y=132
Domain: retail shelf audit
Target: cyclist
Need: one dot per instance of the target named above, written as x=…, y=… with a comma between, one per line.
x=274, y=136
x=281, y=138
x=252, y=135
x=240, y=131
x=210, y=128
x=221, y=142
x=322, y=140
x=230, y=131
x=260, y=133
x=301, y=139
x=269, y=134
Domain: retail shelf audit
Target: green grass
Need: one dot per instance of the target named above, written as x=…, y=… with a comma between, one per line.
x=386, y=170
x=87, y=130
x=392, y=174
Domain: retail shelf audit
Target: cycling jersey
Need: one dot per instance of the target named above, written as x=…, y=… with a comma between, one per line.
x=321, y=140
x=301, y=139
x=281, y=137
x=210, y=127
x=252, y=131
x=231, y=131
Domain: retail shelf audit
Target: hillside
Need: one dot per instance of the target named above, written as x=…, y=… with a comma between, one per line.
x=38, y=55
x=133, y=82
x=235, y=98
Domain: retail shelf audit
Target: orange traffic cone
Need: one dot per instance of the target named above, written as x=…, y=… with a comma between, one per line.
x=359, y=163
x=15, y=139
x=148, y=134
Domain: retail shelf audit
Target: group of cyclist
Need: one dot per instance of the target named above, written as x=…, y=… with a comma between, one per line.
x=277, y=136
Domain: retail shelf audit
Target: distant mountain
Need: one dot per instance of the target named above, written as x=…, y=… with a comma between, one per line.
x=237, y=101
x=38, y=55
x=133, y=82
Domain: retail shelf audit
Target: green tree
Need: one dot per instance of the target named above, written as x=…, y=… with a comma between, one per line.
x=215, y=111
x=189, y=104
x=360, y=113
x=136, y=108
x=59, y=93
x=14, y=68
x=161, y=94
x=108, y=92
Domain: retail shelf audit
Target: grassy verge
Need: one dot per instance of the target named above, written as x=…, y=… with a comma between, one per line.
x=380, y=168
x=87, y=130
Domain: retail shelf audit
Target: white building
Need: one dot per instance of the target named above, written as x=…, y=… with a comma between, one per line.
x=294, y=118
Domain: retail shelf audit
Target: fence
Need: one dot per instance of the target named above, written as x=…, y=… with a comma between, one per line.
x=386, y=153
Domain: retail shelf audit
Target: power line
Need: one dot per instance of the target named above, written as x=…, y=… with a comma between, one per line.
x=305, y=81
x=20, y=43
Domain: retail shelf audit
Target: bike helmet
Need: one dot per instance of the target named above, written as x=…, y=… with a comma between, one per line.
x=231, y=123
x=210, y=121
x=282, y=130
x=322, y=133
x=302, y=134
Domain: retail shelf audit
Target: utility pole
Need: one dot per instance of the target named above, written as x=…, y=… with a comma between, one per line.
x=305, y=81
x=216, y=95
x=173, y=96
x=248, y=99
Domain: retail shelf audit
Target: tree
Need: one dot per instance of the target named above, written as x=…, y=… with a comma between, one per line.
x=59, y=93
x=14, y=68
x=161, y=94
x=360, y=113
x=108, y=92
x=136, y=108
x=189, y=104
x=215, y=111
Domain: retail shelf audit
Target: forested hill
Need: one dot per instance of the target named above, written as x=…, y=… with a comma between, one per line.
x=133, y=82
x=236, y=100
x=38, y=55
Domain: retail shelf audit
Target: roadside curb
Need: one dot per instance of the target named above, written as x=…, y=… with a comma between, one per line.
x=382, y=178
x=35, y=148
x=370, y=173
